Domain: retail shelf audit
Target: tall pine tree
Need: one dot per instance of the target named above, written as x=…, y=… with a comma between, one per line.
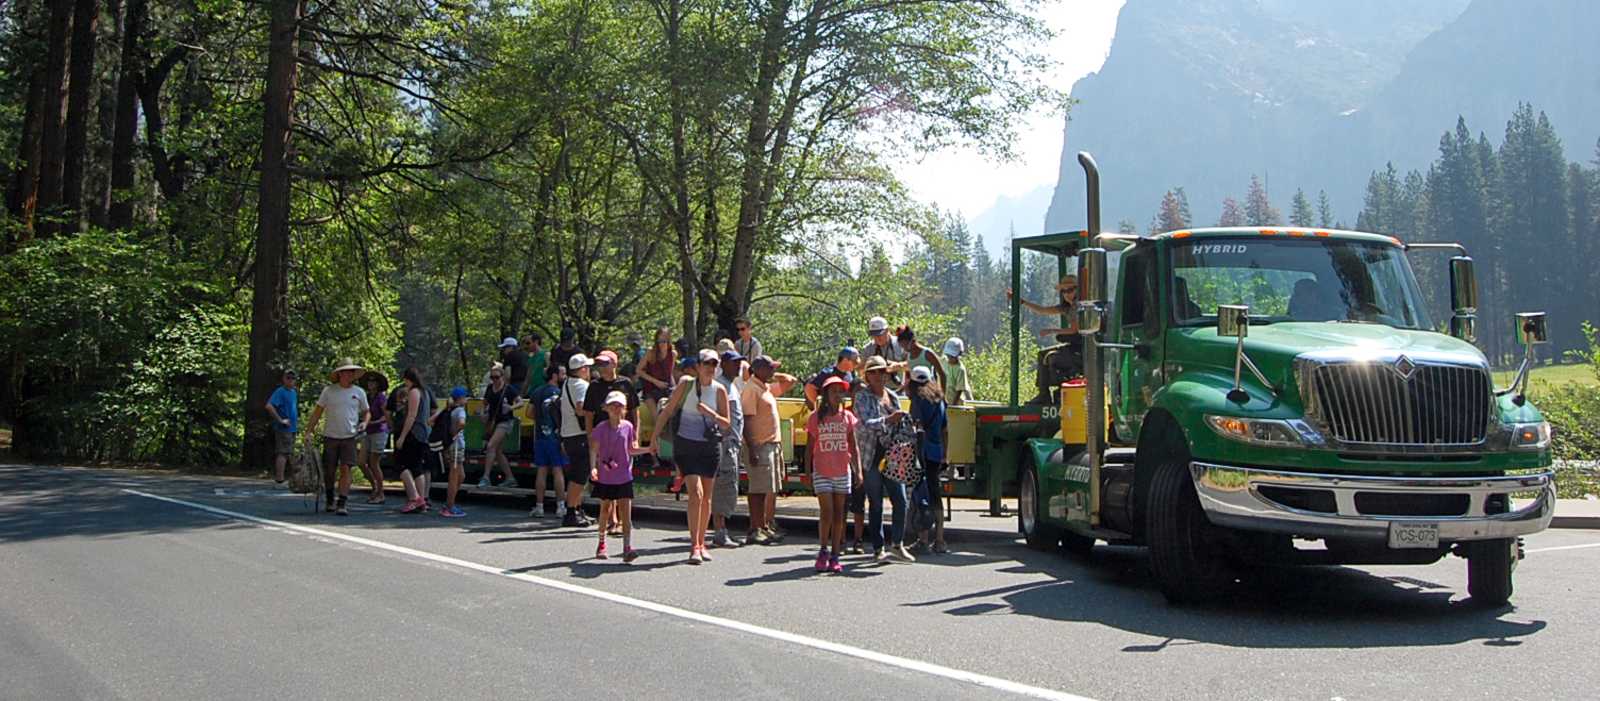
x=1324, y=210
x=1300, y=210
x=1258, y=209
x=1231, y=214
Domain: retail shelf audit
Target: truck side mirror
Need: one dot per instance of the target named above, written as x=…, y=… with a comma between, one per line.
x=1463, y=299
x=1091, y=290
x=1233, y=320
x=1531, y=329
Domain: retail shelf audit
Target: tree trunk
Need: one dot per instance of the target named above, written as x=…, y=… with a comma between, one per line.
x=23, y=199
x=98, y=195
x=53, y=136
x=741, y=268
x=130, y=74
x=80, y=104
x=269, y=323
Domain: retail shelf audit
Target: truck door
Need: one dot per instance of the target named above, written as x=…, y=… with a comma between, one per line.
x=1138, y=323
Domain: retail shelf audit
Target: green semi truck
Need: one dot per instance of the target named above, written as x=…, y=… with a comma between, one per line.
x=1267, y=396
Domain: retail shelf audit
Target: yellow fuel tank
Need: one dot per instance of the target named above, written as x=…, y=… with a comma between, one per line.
x=1074, y=413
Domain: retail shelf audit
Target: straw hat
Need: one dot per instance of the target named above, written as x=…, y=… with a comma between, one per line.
x=344, y=364
x=375, y=377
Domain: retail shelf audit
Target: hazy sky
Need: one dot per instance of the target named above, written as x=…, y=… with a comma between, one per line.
x=963, y=180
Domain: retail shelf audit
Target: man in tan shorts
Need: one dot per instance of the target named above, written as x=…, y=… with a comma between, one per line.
x=764, y=445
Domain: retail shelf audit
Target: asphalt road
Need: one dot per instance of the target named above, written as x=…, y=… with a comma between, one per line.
x=237, y=591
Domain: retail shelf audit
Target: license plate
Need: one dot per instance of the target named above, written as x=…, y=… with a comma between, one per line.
x=1404, y=535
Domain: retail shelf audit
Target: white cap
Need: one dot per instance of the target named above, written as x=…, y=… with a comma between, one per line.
x=508, y=342
x=615, y=397
x=877, y=325
x=709, y=356
x=921, y=373
x=578, y=360
x=954, y=347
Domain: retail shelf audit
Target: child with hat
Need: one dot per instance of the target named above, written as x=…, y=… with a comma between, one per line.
x=612, y=445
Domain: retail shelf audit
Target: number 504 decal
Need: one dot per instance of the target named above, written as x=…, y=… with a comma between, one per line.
x=1050, y=413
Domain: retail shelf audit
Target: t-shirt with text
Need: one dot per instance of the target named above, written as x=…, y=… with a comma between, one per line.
x=829, y=443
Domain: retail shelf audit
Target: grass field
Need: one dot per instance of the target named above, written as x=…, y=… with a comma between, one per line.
x=1552, y=374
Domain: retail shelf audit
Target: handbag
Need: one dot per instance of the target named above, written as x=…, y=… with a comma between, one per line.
x=900, y=459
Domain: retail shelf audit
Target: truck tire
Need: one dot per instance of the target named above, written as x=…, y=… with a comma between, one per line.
x=1038, y=534
x=1184, y=556
x=1489, y=567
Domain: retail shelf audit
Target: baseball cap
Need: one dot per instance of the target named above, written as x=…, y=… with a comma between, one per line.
x=707, y=355
x=615, y=397
x=687, y=363
x=605, y=357
x=458, y=393
x=578, y=360
x=835, y=380
x=731, y=356
x=764, y=361
x=290, y=374
x=725, y=344
x=849, y=352
x=921, y=374
x=877, y=325
x=508, y=342
x=955, y=347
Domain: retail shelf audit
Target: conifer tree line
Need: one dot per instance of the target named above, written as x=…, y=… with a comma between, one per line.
x=1529, y=218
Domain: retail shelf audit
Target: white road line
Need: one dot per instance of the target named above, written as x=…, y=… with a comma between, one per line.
x=1562, y=547
x=774, y=634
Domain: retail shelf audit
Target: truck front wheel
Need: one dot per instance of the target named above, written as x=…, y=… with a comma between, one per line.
x=1038, y=534
x=1489, y=567
x=1186, y=555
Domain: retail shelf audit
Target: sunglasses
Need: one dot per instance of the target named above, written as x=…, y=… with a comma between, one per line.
x=496, y=377
x=709, y=362
x=742, y=328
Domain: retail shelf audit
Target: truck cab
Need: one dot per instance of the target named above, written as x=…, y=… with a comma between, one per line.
x=1248, y=389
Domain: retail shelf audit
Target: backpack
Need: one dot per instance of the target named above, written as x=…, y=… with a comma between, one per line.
x=549, y=414
x=305, y=474
x=443, y=431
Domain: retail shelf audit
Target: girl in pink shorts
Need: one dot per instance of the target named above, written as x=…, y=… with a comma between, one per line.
x=831, y=460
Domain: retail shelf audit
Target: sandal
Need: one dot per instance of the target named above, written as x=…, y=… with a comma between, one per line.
x=375, y=499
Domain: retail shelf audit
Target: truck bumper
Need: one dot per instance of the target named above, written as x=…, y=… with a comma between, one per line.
x=1344, y=506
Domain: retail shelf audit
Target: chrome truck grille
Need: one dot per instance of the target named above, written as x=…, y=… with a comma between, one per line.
x=1399, y=402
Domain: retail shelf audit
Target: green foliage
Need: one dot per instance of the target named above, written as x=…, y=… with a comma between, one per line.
x=131, y=355
x=989, y=367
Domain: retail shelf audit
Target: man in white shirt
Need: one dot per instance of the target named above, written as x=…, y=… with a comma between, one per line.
x=574, y=438
x=347, y=410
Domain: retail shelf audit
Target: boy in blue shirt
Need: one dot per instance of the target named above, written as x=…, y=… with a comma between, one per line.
x=284, y=408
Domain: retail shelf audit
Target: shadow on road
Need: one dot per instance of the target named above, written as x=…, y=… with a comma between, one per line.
x=1308, y=607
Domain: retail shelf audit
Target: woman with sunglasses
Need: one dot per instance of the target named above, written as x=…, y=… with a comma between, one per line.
x=1067, y=288
x=701, y=406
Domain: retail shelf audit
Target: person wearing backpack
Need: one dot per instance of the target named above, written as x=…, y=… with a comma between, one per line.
x=929, y=412
x=412, y=439
x=575, y=438
x=547, y=456
x=449, y=441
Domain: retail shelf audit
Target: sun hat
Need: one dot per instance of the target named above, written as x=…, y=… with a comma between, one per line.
x=374, y=377
x=877, y=325
x=921, y=374
x=835, y=380
x=508, y=342
x=707, y=355
x=876, y=363
x=578, y=360
x=955, y=347
x=615, y=397
x=605, y=357
x=344, y=364
x=458, y=392
x=764, y=361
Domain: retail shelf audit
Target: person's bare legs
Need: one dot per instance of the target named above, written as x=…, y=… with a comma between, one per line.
x=771, y=512
x=539, y=475
x=838, y=527
x=412, y=493
x=607, y=507
x=453, y=483
x=278, y=464
x=425, y=485
x=827, y=521
x=706, y=485
x=491, y=452
x=698, y=488
x=372, y=467
x=756, y=502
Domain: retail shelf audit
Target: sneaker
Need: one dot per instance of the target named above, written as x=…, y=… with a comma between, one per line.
x=583, y=518
x=570, y=520
x=705, y=555
x=427, y=504
x=600, y=552
x=834, y=566
x=629, y=554
x=941, y=548
x=677, y=484
x=341, y=511
x=878, y=555
x=327, y=502
x=561, y=509
x=900, y=553
x=536, y=512
x=694, y=556
x=720, y=538
x=757, y=537
x=484, y=482
x=452, y=512
x=412, y=506
x=856, y=549
x=822, y=560
x=774, y=536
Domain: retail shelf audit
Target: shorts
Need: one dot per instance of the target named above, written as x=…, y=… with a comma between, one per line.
x=375, y=442
x=507, y=427
x=547, y=452
x=338, y=451
x=725, y=493
x=830, y=485
x=607, y=492
x=412, y=456
x=282, y=442
x=695, y=458
x=577, y=466
x=457, y=455
x=766, y=469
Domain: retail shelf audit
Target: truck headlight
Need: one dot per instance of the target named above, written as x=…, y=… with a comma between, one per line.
x=1267, y=432
x=1530, y=436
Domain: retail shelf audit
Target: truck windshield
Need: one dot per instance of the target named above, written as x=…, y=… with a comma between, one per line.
x=1285, y=279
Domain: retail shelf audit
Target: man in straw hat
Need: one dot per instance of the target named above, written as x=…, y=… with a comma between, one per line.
x=347, y=410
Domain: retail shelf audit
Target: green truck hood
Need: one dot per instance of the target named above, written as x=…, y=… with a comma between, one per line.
x=1288, y=339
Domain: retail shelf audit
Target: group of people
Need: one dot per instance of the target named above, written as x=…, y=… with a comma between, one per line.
x=711, y=413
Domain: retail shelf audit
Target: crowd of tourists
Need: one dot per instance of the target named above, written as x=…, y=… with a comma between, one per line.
x=712, y=413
